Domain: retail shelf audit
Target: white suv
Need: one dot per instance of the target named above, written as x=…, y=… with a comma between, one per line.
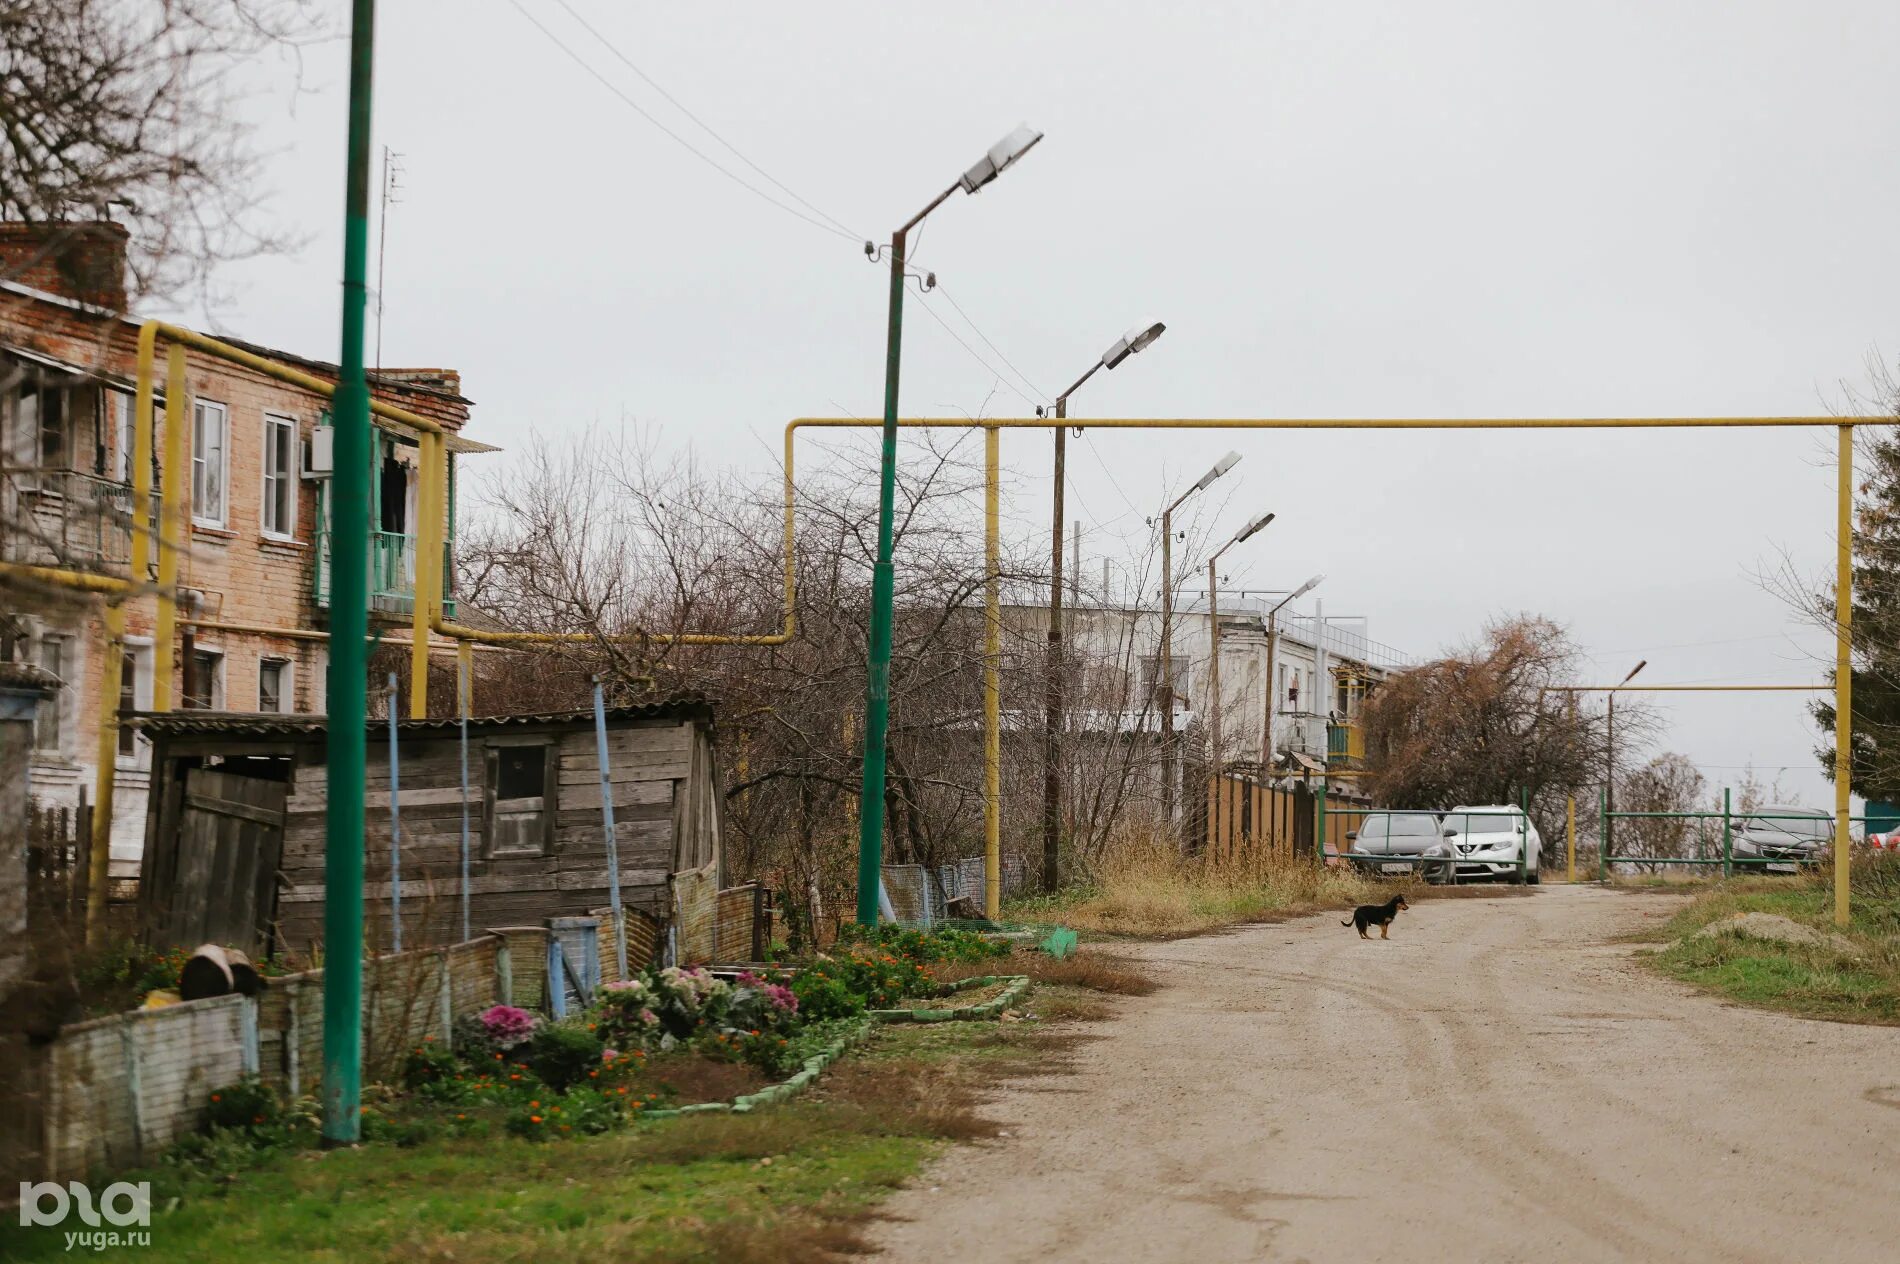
x=1487, y=841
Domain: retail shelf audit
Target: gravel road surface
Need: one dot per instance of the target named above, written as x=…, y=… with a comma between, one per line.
x=1498, y=1081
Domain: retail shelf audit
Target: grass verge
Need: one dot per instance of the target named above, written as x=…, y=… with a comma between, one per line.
x=800, y=1181
x=1814, y=981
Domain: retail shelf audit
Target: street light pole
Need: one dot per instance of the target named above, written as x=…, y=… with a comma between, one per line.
x=1167, y=633
x=1214, y=761
x=1609, y=779
x=1272, y=690
x=1129, y=344
x=877, y=703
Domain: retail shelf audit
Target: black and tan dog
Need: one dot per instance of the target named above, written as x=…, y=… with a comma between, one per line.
x=1367, y=916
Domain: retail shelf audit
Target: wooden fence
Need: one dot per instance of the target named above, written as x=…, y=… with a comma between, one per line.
x=1241, y=817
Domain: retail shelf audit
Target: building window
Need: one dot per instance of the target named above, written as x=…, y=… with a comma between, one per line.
x=273, y=686
x=49, y=734
x=279, y=515
x=205, y=690
x=128, y=701
x=520, y=800
x=210, y=462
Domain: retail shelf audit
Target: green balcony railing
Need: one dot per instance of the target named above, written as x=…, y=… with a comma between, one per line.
x=392, y=572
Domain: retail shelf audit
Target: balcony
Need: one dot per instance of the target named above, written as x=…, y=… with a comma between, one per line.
x=392, y=573
x=66, y=518
x=1345, y=745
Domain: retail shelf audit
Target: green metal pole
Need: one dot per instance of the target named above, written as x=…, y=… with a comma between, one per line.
x=348, y=702
x=1728, y=852
x=1603, y=835
x=877, y=697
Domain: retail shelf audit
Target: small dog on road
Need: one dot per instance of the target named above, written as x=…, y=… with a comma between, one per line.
x=1380, y=915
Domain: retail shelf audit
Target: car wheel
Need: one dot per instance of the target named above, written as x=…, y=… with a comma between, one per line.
x=1532, y=878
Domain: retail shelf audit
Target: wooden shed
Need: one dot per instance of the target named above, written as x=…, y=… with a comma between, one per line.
x=234, y=839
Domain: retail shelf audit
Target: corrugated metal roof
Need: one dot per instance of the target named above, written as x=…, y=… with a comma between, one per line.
x=253, y=725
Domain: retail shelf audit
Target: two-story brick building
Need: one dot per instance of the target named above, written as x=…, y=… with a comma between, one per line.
x=256, y=552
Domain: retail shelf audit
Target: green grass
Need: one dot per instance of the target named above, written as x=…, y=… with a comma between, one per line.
x=1814, y=981
x=791, y=1182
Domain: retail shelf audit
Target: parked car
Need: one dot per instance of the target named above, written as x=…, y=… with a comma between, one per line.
x=1487, y=841
x=1782, y=838
x=1403, y=836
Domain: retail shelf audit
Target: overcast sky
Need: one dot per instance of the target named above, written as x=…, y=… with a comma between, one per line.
x=1340, y=210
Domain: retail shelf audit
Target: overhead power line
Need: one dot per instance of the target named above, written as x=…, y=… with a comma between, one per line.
x=703, y=125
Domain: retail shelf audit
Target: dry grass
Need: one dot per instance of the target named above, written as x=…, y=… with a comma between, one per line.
x=1091, y=969
x=1148, y=888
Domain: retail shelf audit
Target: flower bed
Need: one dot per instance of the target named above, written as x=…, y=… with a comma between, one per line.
x=1013, y=988
x=662, y=1043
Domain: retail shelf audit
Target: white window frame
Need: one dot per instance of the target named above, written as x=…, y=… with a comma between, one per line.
x=289, y=477
x=286, y=684
x=201, y=409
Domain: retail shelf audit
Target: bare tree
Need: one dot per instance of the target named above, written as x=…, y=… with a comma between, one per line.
x=1477, y=726
x=121, y=111
x=1667, y=783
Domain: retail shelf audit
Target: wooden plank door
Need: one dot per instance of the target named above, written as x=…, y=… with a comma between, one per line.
x=230, y=842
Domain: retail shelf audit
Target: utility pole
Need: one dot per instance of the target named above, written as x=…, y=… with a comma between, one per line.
x=1167, y=632
x=348, y=703
x=1052, y=677
x=1215, y=761
x=1124, y=347
x=1609, y=773
x=877, y=685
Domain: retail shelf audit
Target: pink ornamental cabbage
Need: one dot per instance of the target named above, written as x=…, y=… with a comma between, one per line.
x=508, y=1026
x=781, y=997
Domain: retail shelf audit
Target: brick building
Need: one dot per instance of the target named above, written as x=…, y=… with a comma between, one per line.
x=258, y=492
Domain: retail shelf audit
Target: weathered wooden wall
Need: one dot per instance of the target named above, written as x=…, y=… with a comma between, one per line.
x=650, y=762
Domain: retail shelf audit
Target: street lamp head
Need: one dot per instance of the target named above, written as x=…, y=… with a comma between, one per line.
x=1633, y=671
x=1252, y=527
x=1307, y=587
x=1220, y=467
x=998, y=159
x=1132, y=341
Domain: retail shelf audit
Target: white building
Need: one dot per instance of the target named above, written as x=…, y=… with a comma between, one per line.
x=1319, y=668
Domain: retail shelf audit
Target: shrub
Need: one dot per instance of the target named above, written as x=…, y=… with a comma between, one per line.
x=821, y=996
x=925, y=946
x=247, y=1104
x=881, y=980
x=563, y=1054
x=428, y=1065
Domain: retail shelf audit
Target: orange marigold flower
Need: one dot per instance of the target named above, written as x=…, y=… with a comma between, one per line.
x=216, y=1098
x=534, y=1119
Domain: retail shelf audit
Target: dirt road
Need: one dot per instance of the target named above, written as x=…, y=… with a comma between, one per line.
x=1499, y=1081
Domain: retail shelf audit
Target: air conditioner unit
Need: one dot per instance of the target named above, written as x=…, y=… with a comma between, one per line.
x=320, y=455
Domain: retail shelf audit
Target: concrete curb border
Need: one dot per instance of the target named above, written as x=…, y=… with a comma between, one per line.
x=1018, y=986
x=809, y=1071
x=815, y=1065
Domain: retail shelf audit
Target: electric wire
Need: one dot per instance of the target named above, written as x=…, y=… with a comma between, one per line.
x=704, y=126
x=674, y=136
